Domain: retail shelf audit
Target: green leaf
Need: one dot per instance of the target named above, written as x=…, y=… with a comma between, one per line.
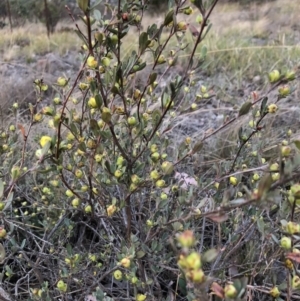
x=209, y=255
x=198, y=4
x=82, y=146
x=197, y=147
x=245, y=108
x=143, y=42
x=154, y=245
x=97, y=15
x=69, y=250
x=99, y=101
x=204, y=51
x=96, y=4
x=162, y=204
x=127, y=66
x=169, y=17
x=152, y=78
x=94, y=128
x=261, y=226
x=93, y=86
x=263, y=106
x=137, y=68
x=107, y=165
x=140, y=254
x=177, y=226
x=297, y=144
x=156, y=115
x=206, y=32
x=81, y=37
x=83, y=5
x=22, y=244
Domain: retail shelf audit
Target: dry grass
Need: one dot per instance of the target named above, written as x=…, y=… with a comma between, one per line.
x=31, y=39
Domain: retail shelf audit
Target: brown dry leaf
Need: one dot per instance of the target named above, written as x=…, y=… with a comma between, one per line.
x=218, y=217
x=21, y=128
x=293, y=256
x=217, y=290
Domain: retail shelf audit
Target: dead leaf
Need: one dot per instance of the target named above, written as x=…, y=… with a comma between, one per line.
x=21, y=128
x=217, y=290
x=293, y=256
x=218, y=217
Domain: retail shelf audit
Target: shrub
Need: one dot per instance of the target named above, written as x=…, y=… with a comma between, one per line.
x=111, y=201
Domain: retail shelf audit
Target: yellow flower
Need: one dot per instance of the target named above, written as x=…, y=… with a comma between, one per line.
x=111, y=209
x=272, y=108
x=125, y=262
x=140, y=297
x=233, y=181
x=91, y=62
x=92, y=103
x=44, y=140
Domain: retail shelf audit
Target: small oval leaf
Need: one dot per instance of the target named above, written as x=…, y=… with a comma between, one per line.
x=245, y=108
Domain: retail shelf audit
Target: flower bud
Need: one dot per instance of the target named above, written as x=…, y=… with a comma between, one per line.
x=92, y=62
x=284, y=90
x=193, y=261
x=125, y=262
x=274, y=292
x=230, y=291
x=186, y=239
x=131, y=121
x=62, y=286
x=154, y=175
x=106, y=115
x=160, y=184
x=296, y=282
x=88, y=209
x=272, y=108
x=75, y=202
x=92, y=103
x=105, y=61
x=62, y=81
x=44, y=140
x=292, y=227
x=290, y=75
x=188, y=10
x=83, y=86
x=196, y=276
x=140, y=297
x=155, y=157
x=286, y=243
x=181, y=26
x=233, y=181
x=15, y=172
x=167, y=167
x=161, y=60
x=163, y=196
x=118, y=275
x=111, y=209
x=274, y=76
x=286, y=151
x=199, y=19
x=118, y=173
